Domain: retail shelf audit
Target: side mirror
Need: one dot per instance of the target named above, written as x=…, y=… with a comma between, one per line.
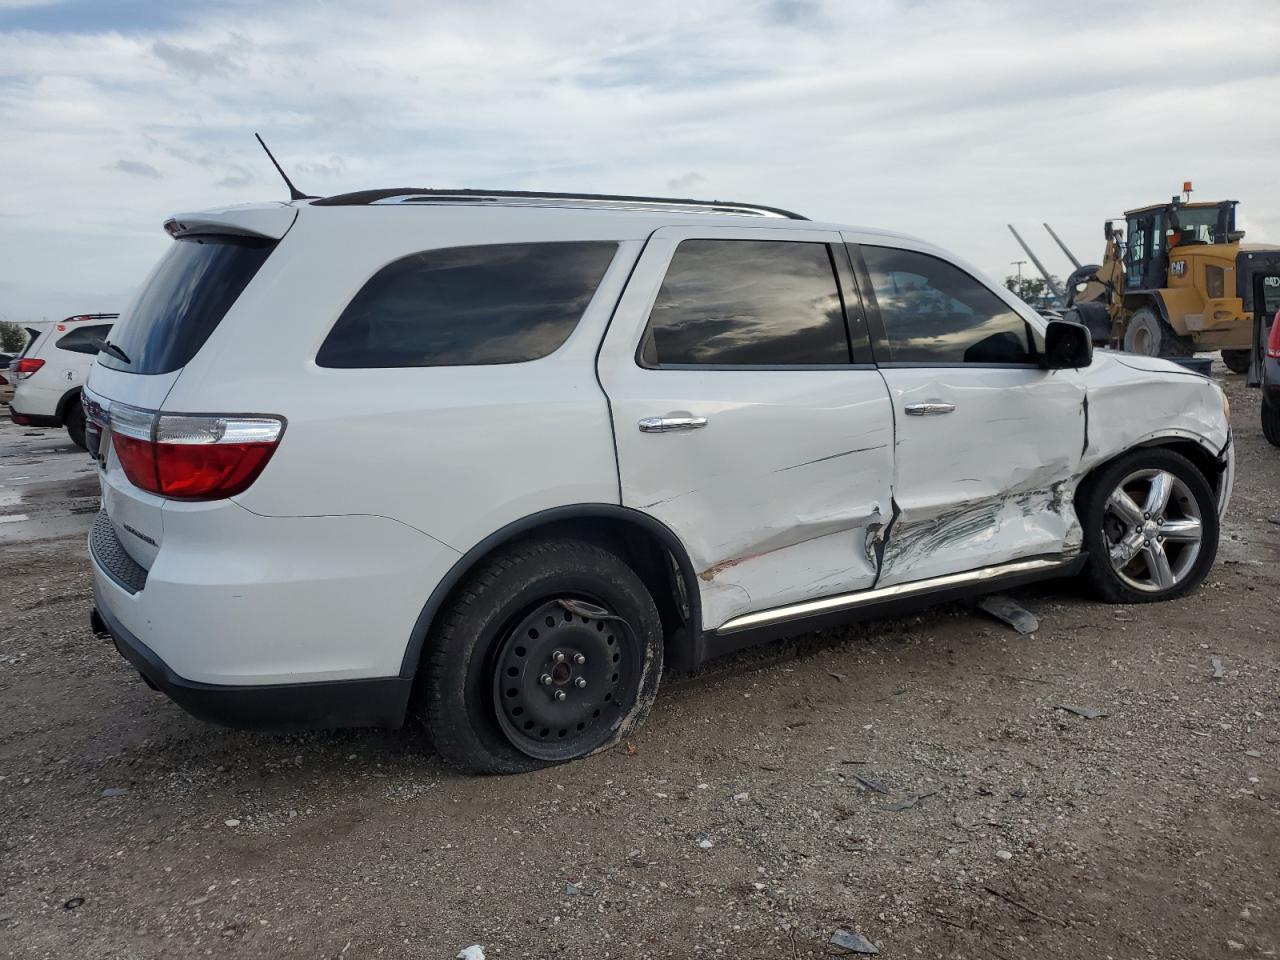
x=1067, y=345
x=1108, y=229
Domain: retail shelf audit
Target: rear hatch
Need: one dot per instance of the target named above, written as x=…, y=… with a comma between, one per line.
x=213, y=259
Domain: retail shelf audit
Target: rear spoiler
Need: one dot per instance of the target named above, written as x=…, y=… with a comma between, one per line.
x=271, y=221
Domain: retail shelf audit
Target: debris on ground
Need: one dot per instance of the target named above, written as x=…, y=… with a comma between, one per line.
x=1004, y=854
x=115, y=791
x=854, y=941
x=1218, y=671
x=572, y=889
x=839, y=676
x=1089, y=713
x=869, y=784
x=473, y=952
x=73, y=903
x=705, y=844
x=1012, y=613
x=909, y=802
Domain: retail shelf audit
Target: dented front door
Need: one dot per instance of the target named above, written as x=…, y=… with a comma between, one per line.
x=775, y=476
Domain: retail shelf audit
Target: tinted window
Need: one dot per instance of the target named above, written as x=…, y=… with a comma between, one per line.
x=503, y=303
x=934, y=312
x=747, y=302
x=86, y=339
x=187, y=296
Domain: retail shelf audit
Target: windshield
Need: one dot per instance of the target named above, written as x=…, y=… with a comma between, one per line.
x=184, y=300
x=1196, y=225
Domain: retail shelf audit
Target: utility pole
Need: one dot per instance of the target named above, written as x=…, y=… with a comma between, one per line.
x=1019, y=265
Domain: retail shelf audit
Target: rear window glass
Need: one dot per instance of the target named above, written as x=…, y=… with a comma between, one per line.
x=500, y=303
x=85, y=339
x=185, y=299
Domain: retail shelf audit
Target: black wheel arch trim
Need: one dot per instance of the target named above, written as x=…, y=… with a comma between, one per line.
x=65, y=402
x=583, y=511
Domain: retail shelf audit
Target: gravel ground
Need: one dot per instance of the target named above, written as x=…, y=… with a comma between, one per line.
x=913, y=780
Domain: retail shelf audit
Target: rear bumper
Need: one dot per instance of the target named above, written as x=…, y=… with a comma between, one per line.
x=381, y=702
x=33, y=419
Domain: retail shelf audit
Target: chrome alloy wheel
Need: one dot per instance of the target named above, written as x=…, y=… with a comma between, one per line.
x=1153, y=529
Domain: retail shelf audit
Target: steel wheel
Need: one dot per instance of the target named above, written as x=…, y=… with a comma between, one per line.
x=1143, y=342
x=1153, y=529
x=564, y=678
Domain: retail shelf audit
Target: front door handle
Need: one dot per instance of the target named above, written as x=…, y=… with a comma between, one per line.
x=668, y=424
x=932, y=409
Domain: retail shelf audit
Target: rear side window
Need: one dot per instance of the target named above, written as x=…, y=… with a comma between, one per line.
x=462, y=306
x=86, y=339
x=185, y=299
x=747, y=303
x=934, y=312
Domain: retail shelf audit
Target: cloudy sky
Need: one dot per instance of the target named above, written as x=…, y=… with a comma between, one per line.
x=944, y=118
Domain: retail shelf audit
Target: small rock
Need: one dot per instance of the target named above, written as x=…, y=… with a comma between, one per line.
x=854, y=941
x=232, y=823
x=115, y=791
x=705, y=844
x=1218, y=670
x=473, y=952
x=1004, y=854
x=73, y=903
x=742, y=797
x=1234, y=945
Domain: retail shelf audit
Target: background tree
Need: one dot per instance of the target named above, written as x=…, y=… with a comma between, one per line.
x=1032, y=290
x=12, y=337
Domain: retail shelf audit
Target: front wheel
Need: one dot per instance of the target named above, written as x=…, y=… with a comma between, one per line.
x=1149, y=335
x=551, y=651
x=1150, y=527
x=1237, y=361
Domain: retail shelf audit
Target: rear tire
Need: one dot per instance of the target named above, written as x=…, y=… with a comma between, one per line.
x=1145, y=547
x=550, y=651
x=1237, y=361
x=75, y=421
x=1147, y=334
x=1271, y=422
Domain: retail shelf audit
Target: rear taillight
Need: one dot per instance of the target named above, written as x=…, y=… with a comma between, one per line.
x=185, y=457
x=25, y=367
x=1273, y=341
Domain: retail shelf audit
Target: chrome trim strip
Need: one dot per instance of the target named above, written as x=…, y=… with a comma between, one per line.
x=647, y=206
x=847, y=600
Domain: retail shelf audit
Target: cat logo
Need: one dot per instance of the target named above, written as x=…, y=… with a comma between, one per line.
x=1271, y=281
x=1178, y=268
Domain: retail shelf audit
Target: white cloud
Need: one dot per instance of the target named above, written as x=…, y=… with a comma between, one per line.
x=943, y=119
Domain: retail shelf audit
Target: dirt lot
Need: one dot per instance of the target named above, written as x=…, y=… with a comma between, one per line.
x=734, y=825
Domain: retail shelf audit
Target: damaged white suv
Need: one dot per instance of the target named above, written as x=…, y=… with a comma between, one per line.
x=491, y=459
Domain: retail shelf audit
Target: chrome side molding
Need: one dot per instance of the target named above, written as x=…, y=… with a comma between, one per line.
x=846, y=601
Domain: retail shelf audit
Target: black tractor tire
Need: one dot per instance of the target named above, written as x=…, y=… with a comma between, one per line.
x=1149, y=335
x=1099, y=574
x=1093, y=315
x=533, y=610
x=1237, y=361
x=1271, y=422
x=75, y=422
x=1084, y=272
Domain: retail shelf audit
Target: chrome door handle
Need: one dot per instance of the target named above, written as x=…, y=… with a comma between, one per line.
x=929, y=409
x=668, y=424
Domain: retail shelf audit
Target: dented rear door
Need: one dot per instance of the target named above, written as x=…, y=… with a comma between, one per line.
x=743, y=421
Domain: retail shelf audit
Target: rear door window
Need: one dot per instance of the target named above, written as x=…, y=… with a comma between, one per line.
x=185, y=299
x=759, y=303
x=87, y=339
x=935, y=313
x=463, y=306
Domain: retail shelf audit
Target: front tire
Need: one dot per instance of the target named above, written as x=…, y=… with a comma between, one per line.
x=1150, y=527
x=75, y=421
x=1237, y=361
x=550, y=651
x=1147, y=334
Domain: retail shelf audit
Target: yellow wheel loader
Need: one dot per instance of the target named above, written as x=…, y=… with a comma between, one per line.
x=1176, y=280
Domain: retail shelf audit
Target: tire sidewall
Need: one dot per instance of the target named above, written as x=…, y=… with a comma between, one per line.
x=1100, y=571
x=1144, y=319
x=75, y=421
x=468, y=647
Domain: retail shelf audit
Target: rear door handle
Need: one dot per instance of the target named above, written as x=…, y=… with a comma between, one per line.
x=932, y=409
x=669, y=424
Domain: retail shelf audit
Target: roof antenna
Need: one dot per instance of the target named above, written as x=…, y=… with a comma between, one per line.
x=294, y=192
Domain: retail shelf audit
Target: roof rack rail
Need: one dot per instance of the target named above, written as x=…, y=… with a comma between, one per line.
x=411, y=195
x=89, y=316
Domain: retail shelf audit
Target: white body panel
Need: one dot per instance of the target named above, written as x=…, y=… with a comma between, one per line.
x=64, y=372
x=385, y=477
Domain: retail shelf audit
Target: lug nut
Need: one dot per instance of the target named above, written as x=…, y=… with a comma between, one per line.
x=557, y=657
x=545, y=679
x=580, y=682
x=560, y=694
x=579, y=659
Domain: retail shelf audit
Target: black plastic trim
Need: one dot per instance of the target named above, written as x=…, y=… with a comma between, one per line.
x=719, y=645
x=377, y=702
x=584, y=511
x=364, y=197
x=34, y=419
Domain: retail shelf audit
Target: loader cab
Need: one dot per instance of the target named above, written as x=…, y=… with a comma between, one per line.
x=1154, y=231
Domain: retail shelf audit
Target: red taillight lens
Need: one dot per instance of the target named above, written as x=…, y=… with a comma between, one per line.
x=192, y=457
x=1273, y=341
x=25, y=367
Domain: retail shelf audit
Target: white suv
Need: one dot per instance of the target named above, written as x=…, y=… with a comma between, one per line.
x=51, y=370
x=492, y=459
